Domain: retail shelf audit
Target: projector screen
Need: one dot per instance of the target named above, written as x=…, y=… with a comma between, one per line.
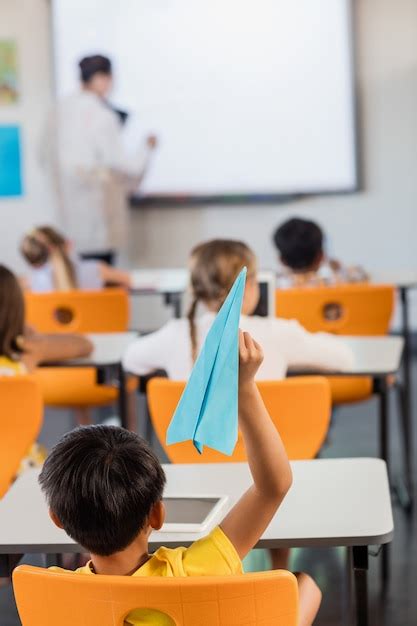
x=246, y=97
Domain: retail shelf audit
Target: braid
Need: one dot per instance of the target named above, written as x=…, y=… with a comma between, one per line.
x=68, y=267
x=193, y=329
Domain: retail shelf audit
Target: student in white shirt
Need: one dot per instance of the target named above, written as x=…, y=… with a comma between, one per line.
x=214, y=267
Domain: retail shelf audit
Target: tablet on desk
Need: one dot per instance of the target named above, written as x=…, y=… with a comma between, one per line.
x=192, y=513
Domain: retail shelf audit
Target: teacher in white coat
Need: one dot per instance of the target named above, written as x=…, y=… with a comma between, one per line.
x=89, y=171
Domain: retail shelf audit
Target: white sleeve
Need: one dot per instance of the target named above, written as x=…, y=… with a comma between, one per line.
x=318, y=350
x=147, y=353
x=113, y=154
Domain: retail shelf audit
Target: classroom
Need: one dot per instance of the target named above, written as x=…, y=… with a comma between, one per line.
x=208, y=313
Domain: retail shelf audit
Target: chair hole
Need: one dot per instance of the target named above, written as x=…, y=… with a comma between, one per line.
x=333, y=311
x=63, y=315
x=137, y=616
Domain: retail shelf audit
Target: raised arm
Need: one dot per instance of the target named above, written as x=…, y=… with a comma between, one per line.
x=267, y=458
x=114, y=276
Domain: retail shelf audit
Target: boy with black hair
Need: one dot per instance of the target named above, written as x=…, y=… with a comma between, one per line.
x=104, y=486
x=300, y=244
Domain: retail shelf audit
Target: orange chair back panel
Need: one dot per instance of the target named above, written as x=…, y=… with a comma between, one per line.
x=359, y=309
x=46, y=598
x=21, y=413
x=299, y=407
x=104, y=311
x=77, y=387
x=350, y=389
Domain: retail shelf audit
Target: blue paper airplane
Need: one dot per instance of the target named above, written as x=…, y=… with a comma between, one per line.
x=207, y=413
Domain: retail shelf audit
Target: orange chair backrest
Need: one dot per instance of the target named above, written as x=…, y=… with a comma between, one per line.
x=21, y=413
x=360, y=309
x=46, y=598
x=299, y=407
x=104, y=311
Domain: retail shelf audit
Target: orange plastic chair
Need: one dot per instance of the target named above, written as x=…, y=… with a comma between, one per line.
x=103, y=311
x=364, y=309
x=20, y=423
x=361, y=309
x=106, y=310
x=299, y=407
x=45, y=598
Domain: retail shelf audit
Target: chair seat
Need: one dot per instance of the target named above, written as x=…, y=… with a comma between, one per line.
x=77, y=387
x=350, y=389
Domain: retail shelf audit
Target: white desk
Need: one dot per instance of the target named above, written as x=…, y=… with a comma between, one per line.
x=160, y=280
x=404, y=280
x=109, y=349
x=107, y=354
x=373, y=356
x=376, y=357
x=400, y=278
x=333, y=502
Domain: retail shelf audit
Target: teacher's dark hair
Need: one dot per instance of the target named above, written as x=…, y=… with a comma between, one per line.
x=96, y=64
x=101, y=482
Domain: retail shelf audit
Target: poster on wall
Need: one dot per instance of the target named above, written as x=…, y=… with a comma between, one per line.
x=10, y=161
x=9, y=88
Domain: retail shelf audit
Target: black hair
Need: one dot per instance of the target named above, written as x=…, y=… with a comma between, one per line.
x=300, y=242
x=96, y=64
x=102, y=482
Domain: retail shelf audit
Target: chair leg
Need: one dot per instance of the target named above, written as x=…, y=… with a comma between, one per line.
x=132, y=413
x=83, y=416
x=405, y=488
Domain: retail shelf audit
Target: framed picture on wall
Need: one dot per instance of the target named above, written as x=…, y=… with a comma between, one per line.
x=9, y=87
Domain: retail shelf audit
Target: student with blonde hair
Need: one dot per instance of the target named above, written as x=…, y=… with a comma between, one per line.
x=55, y=267
x=214, y=266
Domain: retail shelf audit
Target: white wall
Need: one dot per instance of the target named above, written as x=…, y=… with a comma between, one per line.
x=26, y=21
x=375, y=227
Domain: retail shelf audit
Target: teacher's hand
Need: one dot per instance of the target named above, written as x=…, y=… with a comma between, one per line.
x=152, y=141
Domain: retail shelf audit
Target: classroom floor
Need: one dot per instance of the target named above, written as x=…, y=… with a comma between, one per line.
x=353, y=433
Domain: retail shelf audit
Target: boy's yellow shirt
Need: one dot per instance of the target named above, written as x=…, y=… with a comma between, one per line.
x=213, y=555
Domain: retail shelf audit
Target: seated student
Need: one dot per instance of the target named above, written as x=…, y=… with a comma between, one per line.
x=113, y=500
x=22, y=348
x=54, y=266
x=214, y=267
x=300, y=244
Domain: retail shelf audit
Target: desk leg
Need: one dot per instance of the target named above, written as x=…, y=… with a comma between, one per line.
x=383, y=420
x=384, y=454
x=122, y=397
x=7, y=564
x=174, y=299
x=360, y=570
x=406, y=397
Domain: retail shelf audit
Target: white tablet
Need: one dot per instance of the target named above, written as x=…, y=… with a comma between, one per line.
x=191, y=513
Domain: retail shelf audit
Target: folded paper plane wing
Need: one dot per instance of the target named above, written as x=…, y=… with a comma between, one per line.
x=207, y=413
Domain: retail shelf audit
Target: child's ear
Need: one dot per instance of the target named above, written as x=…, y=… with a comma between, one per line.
x=157, y=515
x=55, y=519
